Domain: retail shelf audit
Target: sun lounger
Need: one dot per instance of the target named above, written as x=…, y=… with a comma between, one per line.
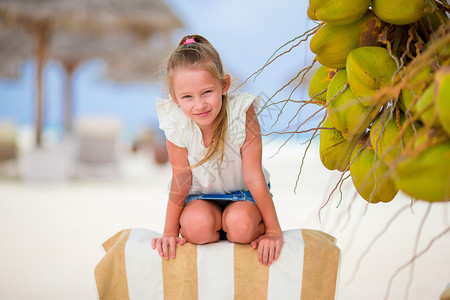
x=8, y=150
x=97, y=147
x=8, y=142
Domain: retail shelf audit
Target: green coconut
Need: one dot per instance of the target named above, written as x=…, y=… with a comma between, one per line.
x=402, y=12
x=333, y=43
x=426, y=107
x=337, y=12
x=372, y=186
x=442, y=81
x=319, y=83
x=385, y=139
x=368, y=70
x=426, y=176
x=415, y=87
x=345, y=111
x=335, y=151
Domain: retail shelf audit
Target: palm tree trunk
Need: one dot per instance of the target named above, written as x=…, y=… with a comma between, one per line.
x=41, y=45
x=70, y=67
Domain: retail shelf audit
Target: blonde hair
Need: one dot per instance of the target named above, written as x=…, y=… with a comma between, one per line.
x=202, y=55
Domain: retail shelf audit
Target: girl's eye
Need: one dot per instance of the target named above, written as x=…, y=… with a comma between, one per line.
x=186, y=97
x=208, y=91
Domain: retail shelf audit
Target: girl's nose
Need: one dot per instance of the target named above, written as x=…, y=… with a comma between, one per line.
x=200, y=103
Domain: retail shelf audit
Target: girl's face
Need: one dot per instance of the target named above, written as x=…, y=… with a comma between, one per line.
x=199, y=95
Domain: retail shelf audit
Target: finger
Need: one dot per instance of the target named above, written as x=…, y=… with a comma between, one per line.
x=153, y=244
x=255, y=243
x=277, y=251
x=165, y=249
x=260, y=252
x=182, y=241
x=172, y=245
x=266, y=254
x=159, y=247
x=271, y=253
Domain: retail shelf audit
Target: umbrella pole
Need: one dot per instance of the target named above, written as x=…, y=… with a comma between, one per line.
x=70, y=67
x=41, y=45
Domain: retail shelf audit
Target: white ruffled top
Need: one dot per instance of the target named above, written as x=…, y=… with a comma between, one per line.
x=210, y=177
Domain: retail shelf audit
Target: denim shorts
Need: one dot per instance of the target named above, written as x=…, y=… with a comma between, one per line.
x=223, y=199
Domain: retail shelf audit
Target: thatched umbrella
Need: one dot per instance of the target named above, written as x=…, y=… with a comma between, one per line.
x=140, y=17
x=128, y=58
x=142, y=62
x=15, y=49
x=132, y=56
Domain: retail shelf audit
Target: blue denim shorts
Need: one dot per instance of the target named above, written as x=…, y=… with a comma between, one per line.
x=223, y=199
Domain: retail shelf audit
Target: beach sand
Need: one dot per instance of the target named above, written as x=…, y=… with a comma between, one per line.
x=52, y=232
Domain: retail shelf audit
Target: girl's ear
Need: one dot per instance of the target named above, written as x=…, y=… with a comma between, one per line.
x=172, y=95
x=226, y=82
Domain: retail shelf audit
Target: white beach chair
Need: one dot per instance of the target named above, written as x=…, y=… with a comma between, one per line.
x=8, y=150
x=97, y=150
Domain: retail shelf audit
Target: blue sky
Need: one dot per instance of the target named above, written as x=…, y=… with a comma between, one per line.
x=246, y=33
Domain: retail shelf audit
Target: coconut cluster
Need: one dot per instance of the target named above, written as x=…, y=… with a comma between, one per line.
x=385, y=81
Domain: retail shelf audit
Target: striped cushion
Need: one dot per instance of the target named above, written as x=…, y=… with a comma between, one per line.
x=306, y=269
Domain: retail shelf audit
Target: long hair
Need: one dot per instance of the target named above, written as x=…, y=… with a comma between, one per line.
x=202, y=55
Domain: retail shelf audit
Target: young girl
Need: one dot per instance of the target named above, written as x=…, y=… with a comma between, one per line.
x=218, y=183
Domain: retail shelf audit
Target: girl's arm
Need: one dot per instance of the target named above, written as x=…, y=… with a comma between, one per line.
x=251, y=152
x=181, y=183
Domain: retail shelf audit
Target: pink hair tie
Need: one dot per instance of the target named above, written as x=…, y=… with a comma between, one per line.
x=189, y=41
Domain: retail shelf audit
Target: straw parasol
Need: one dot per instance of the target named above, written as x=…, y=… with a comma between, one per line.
x=129, y=58
x=97, y=17
x=142, y=63
x=133, y=58
x=15, y=49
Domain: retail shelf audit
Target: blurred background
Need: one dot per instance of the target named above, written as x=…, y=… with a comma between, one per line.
x=81, y=155
x=69, y=70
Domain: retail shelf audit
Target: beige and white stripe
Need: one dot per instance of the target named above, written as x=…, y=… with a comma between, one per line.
x=307, y=269
x=288, y=279
x=214, y=264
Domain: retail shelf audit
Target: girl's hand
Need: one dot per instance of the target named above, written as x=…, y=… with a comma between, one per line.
x=167, y=244
x=269, y=247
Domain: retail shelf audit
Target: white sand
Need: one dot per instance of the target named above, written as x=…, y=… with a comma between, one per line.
x=51, y=234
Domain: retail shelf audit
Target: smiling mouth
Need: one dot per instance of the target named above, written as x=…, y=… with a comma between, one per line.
x=203, y=114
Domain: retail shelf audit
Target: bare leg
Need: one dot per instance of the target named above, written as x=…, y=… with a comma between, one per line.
x=200, y=222
x=242, y=221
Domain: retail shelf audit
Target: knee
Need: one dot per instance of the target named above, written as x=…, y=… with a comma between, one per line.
x=241, y=228
x=199, y=229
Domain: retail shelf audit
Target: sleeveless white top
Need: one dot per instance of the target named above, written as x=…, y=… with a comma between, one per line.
x=210, y=178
